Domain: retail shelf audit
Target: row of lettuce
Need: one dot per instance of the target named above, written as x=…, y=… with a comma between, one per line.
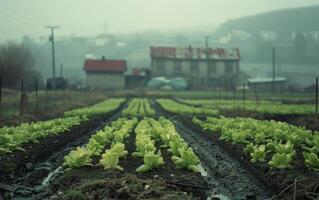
x=13, y=138
x=264, y=107
x=179, y=108
x=277, y=144
x=148, y=133
x=139, y=107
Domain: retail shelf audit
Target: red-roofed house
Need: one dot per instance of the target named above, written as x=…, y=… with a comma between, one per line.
x=105, y=74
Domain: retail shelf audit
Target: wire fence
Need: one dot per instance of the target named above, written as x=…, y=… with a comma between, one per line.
x=38, y=101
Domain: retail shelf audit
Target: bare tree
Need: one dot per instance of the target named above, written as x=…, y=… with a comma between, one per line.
x=16, y=61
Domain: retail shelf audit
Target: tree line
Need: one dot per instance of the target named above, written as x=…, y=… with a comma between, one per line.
x=17, y=62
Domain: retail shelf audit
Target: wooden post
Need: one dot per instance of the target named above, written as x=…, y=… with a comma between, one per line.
x=24, y=102
x=36, y=96
x=21, y=88
x=244, y=93
x=0, y=88
x=317, y=95
x=273, y=69
x=256, y=95
x=0, y=95
x=47, y=96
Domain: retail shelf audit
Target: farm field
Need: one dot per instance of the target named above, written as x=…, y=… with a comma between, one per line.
x=165, y=148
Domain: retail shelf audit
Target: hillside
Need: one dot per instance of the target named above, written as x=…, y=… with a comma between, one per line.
x=282, y=21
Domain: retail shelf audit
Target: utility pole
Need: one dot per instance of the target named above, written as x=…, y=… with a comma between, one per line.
x=317, y=97
x=206, y=45
x=53, y=54
x=273, y=69
x=61, y=70
x=207, y=58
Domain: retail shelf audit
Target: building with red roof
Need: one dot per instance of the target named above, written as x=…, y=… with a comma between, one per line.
x=105, y=74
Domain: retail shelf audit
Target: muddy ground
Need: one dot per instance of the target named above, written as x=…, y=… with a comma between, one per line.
x=229, y=175
x=23, y=172
x=226, y=176
x=37, y=172
x=297, y=182
x=165, y=182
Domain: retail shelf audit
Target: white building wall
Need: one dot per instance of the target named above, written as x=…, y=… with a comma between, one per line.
x=103, y=80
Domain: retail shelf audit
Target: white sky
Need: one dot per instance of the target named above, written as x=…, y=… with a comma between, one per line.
x=89, y=17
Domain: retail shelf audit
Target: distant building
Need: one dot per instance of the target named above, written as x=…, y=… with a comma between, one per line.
x=135, y=78
x=267, y=84
x=105, y=74
x=201, y=68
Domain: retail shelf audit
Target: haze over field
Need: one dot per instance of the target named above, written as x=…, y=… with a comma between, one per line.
x=87, y=17
x=125, y=29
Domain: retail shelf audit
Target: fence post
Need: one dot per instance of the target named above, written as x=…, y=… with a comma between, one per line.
x=47, y=96
x=21, y=87
x=24, y=102
x=36, y=96
x=317, y=94
x=0, y=89
x=0, y=95
x=244, y=93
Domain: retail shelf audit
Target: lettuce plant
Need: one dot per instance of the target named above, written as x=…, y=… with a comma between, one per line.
x=119, y=148
x=77, y=158
x=258, y=154
x=144, y=145
x=281, y=160
x=175, y=146
x=311, y=160
x=94, y=147
x=110, y=160
x=187, y=160
x=151, y=161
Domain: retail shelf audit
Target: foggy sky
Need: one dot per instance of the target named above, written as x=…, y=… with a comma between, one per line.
x=90, y=17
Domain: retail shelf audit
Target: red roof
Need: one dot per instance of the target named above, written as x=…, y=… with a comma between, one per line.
x=136, y=72
x=91, y=65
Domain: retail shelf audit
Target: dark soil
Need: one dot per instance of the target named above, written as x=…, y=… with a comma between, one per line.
x=116, y=185
x=166, y=182
x=30, y=167
x=281, y=181
x=226, y=175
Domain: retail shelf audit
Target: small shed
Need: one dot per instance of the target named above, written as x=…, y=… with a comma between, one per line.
x=105, y=74
x=267, y=84
x=135, y=78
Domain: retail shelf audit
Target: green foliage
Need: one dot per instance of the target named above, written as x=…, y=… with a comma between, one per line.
x=12, y=138
x=311, y=160
x=143, y=145
x=116, y=132
x=97, y=109
x=174, y=107
x=263, y=107
x=110, y=160
x=77, y=158
x=119, y=148
x=176, y=146
x=139, y=107
x=258, y=154
x=280, y=139
x=187, y=160
x=151, y=161
x=280, y=160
